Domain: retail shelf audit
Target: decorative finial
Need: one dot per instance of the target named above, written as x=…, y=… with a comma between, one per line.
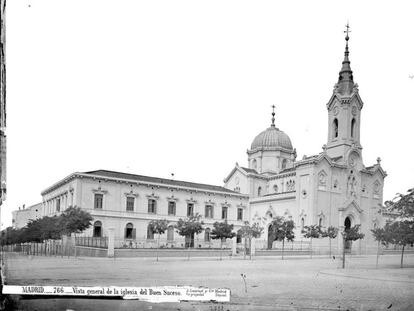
x=273, y=115
x=347, y=31
x=379, y=161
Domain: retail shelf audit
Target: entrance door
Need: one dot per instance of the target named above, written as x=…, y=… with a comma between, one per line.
x=348, y=244
x=270, y=237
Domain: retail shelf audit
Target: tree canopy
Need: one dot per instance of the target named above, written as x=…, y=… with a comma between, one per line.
x=312, y=231
x=402, y=204
x=222, y=231
x=331, y=232
x=158, y=226
x=190, y=225
x=251, y=231
x=282, y=229
x=353, y=234
x=72, y=220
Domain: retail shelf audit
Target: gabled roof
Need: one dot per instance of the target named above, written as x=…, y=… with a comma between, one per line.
x=248, y=170
x=244, y=170
x=375, y=168
x=157, y=180
x=318, y=158
x=127, y=177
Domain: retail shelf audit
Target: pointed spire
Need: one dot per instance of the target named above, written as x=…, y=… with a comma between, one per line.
x=346, y=80
x=273, y=116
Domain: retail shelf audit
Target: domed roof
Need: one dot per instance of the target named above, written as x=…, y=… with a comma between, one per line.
x=272, y=138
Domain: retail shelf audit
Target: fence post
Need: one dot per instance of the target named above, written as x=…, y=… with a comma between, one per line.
x=111, y=242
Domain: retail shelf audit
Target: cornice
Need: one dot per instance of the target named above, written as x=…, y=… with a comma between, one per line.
x=138, y=183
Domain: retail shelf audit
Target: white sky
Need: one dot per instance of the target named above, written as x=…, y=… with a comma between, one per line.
x=154, y=87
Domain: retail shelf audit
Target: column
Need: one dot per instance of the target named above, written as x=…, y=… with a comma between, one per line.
x=234, y=246
x=253, y=247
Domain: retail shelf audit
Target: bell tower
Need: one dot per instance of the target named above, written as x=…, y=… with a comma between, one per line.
x=344, y=112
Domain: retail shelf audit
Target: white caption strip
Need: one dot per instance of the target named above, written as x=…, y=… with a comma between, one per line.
x=151, y=294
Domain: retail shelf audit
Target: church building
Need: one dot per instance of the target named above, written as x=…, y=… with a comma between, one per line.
x=332, y=188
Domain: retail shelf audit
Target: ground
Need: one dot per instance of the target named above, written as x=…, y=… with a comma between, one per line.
x=296, y=283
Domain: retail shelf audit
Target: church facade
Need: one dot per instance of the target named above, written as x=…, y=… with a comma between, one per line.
x=332, y=188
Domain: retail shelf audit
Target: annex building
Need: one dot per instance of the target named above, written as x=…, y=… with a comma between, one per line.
x=332, y=188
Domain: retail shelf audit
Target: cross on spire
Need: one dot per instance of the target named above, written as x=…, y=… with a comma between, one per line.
x=273, y=115
x=347, y=31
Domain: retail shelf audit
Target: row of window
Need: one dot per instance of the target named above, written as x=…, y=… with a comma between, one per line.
x=290, y=186
x=130, y=232
x=336, y=128
x=152, y=207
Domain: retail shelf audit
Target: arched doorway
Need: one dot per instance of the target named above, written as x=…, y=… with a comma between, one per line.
x=270, y=237
x=97, y=229
x=348, y=244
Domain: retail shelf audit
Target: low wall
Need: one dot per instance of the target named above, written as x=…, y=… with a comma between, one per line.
x=171, y=253
x=91, y=251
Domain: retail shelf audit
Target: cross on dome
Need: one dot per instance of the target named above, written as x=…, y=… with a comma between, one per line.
x=273, y=115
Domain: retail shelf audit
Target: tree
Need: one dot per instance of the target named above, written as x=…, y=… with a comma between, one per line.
x=403, y=205
x=248, y=232
x=381, y=236
x=222, y=231
x=282, y=229
x=399, y=233
x=351, y=234
x=401, y=230
x=74, y=220
x=312, y=232
x=188, y=227
x=331, y=233
x=158, y=226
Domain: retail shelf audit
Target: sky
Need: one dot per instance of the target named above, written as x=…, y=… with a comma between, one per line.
x=183, y=87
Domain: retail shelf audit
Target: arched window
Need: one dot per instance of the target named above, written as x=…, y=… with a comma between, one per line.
x=275, y=188
x=353, y=124
x=238, y=237
x=150, y=233
x=254, y=164
x=97, y=229
x=347, y=223
x=284, y=163
x=207, y=235
x=170, y=233
x=129, y=231
x=320, y=222
x=302, y=223
x=335, y=128
x=259, y=191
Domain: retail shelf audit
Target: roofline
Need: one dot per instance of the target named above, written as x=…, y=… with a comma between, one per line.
x=126, y=180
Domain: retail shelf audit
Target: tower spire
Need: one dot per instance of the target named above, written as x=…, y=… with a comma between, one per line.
x=346, y=79
x=273, y=116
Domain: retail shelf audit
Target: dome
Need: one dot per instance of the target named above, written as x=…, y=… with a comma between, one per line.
x=272, y=138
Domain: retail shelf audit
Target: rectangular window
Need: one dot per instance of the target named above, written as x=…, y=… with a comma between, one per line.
x=190, y=209
x=224, y=212
x=209, y=211
x=130, y=204
x=239, y=214
x=152, y=206
x=57, y=205
x=171, y=208
x=98, y=201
